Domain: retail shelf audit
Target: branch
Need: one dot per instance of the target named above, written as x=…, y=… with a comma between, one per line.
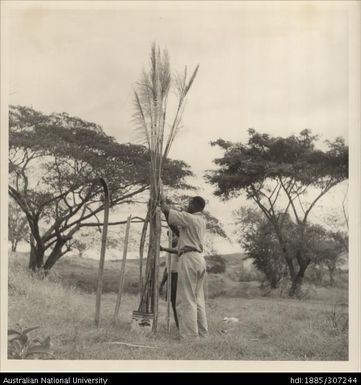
x=85, y=217
x=277, y=185
x=329, y=185
x=258, y=202
x=47, y=245
x=290, y=198
x=344, y=209
x=284, y=213
x=270, y=201
x=277, y=195
x=96, y=217
x=68, y=248
x=138, y=220
x=48, y=235
x=299, y=200
x=21, y=202
x=57, y=197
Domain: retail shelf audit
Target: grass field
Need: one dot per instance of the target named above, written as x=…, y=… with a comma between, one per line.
x=269, y=328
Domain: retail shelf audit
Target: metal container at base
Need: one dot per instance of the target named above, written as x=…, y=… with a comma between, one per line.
x=142, y=322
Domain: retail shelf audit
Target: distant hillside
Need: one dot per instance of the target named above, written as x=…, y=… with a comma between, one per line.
x=238, y=260
x=83, y=274
x=236, y=281
x=233, y=257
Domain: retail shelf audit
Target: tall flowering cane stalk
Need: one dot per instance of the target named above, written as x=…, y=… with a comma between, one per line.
x=151, y=103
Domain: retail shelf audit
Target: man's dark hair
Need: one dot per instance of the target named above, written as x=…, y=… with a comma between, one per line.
x=199, y=202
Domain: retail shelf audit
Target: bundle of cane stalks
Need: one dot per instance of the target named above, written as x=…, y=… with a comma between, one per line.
x=158, y=133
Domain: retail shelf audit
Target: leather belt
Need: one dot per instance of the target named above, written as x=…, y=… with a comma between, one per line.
x=188, y=249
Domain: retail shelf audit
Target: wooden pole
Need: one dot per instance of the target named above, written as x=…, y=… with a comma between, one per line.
x=102, y=251
x=169, y=280
x=122, y=270
x=206, y=286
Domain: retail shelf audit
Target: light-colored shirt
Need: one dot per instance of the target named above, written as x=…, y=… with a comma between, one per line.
x=192, y=228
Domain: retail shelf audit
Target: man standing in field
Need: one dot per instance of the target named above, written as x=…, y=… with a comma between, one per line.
x=191, y=267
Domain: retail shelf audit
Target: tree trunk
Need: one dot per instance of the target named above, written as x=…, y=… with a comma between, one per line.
x=36, y=259
x=14, y=244
x=331, y=272
x=296, y=285
x=291, y=267
x=298, y=279
x=55, y=254
x=286, y=256
x=274, y=283
x=37, y=249
x=32, y=259
x=50, y=262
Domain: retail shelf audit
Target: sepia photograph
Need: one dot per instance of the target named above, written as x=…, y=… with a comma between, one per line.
x=180, y=185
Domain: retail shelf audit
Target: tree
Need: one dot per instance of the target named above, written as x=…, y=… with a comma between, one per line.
x=55, y=163
x=327, y=248
x=256, y=235
x=281, y=175
x=17, y=225
x=336, y=254
x=79, y=245
x=215, y=264
x=89, y=239
x=338, y=222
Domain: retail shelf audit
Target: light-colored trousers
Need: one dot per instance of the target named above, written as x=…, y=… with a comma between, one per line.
x=190, y=296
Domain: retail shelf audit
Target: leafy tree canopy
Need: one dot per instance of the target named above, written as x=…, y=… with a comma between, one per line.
x=266, y=157
x=73, y=139
x=55, y=162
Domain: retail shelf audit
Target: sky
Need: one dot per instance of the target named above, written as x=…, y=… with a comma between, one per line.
x=278, y=69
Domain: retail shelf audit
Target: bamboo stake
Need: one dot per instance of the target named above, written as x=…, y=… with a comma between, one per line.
x=102, y=251
x=169, y=280
x=122, y=270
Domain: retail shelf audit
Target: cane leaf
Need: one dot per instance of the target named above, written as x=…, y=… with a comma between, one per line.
x=12, y=331
x=26, y=331
x=38, y=350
